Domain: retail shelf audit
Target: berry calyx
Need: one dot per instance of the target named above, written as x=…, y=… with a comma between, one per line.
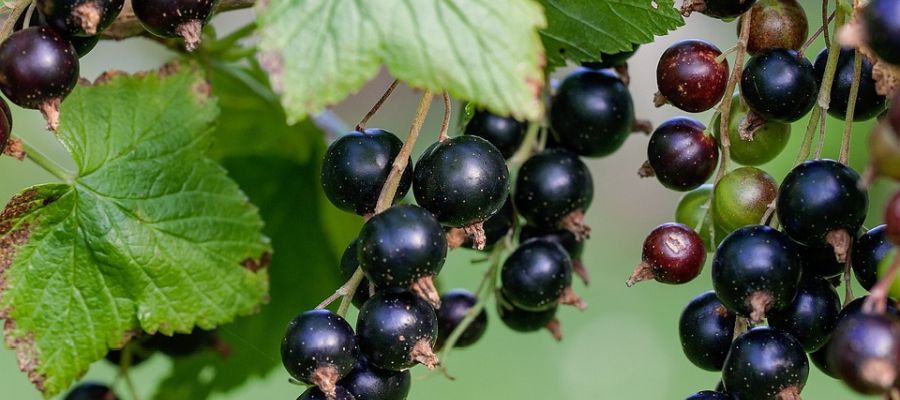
x=690, y=77
x=868, y=102
x=504, y=132
x=368, y=382
x=742, y=197
x=681, y=154
x=765, y=363
x=455, y=306
x=521, y=320
x=864, y=352
x=779, y=85
x=91, y=391
x=553, y=191
x=673, y=253
x=538, y=276
x=319, y=348
x=776, y=24
x=79, y=17
x=175, y=18
x=495, y=229
x=397, y=330
x=812, y=315
x=881, y=20
x=706, y=329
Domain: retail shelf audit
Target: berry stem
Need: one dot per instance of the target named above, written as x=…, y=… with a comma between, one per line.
x=28, y=13
x=877, y=300
x=445, y=123
x=844, y=157
x=384, y=96
x=816, y=34
x=43, y=161
x=127, y=357
x=12, y=17
x=725, y=105
x=821, y=142
x=826, y=21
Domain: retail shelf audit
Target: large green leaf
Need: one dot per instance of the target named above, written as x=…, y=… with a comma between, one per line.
x=579, y=30
x=486, y=51
x=149, y=235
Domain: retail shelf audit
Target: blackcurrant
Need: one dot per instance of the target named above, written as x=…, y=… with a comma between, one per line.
x=779, y=85
x=553, y=190
x=566, y=239
x=690, y=77
x=495, y=228
x=673, y=253
x=865, y=352
x=182, y=345
x=38, y=69
x=349, y=264
x=521, y=320
x=765, y=363
x=820, y=202
x=881, y=19
x=462, y=181
x=819, y=260
x=776, y=24
x=769, y=139
x=79, y=17
x=91, y=391
x=819, y=358
x=756, y=269
x=592, y=113
x=5, y=124
x=397, y=330
x=892, y=219
x=720, y=9
x=706, y=329
x=403, y=247
x=709, y=395
x=356, y=166
x=319, y=348
x=812, y=315
x=856, y=307
x=455, y=306
x=175, y=18
x=538, y=275
x=681, y=154
x=368, y=382
x=742, y=197
x=868, y=251
x=82, y=44
x=868, y=102
x=693, y=210
x=608, y=60
x=316, y=394
x=505, y=133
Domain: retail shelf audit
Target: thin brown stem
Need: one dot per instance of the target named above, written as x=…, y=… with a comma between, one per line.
x=725, y=105
x=12, y=17
x=815, y=35
x=821, y=143
x=825, y=21
x=445, y=123
x=384, y=96
x=877, y=300
x=851, y=108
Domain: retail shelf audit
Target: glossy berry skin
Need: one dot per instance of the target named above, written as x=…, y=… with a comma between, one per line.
x=521, y=320
x=314, y=393
x=865, y=352
x=689, y=76
x=868, y=252
x=166, y=18
x=455, y=306
x=368, y=382
x=497, y=226
x=181, y=345
x=868, y=102
x=742, y=197
x=400, y=245
x=611, y=60
x=768, y=141
x=892, y=219
x=706, y=328
x=726, y=9
x=91, y=391
x=764, y=362
x=756, y=261
x=550, y=185
x=709, y=395
x=776, y=24
x=779, y=86
x=812, y=315
x=591, y=113
x=881, y=20
x=535, y=275
x=5, y=124
x=819, y=260
x=674, y=253
x=37, y=66
x=70, y=17
x=692, y=209
x=819, y=358
x=349, y=264
x=681, y=154
x=505, y=133
x=316, y=339
x=391, y=324
x=820, y=196
x=356, y=166
x=564, y=238
x=462, y=180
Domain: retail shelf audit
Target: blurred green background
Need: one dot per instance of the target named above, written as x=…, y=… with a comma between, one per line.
x=624, y=346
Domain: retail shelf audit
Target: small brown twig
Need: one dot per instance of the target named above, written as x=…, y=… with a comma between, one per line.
x=384, y=96
x=445, y=123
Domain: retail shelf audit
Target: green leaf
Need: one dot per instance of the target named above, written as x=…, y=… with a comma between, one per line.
x=579, y=30
x=308, y=234
x=150, y=235
x=486, y=51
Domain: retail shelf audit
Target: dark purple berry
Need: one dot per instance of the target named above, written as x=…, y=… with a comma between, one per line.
x=553, y=191
x=765, y=363
x=521, y=320
x=709, y=395
x=181, y=345
x=819, y=260
x=566, y=239
x=681, y=154
x=611, y=60
x=397, y=330
x=175, y=18
x=319, y=348
x=865, y=352
x=868, y=102
x=456, y=306
x=868, y=251
x=538, y=275
x=779, y=85
x=719, y=9
x=819, y=358
x=91, y=391
x=881, y=20
x=812, y=315
x=706, y=329
x=314, y=393
x=349, y=264
x=79, y=17
x=368, y=382
x=505, y=133
x=689, y=76
x=673, y=253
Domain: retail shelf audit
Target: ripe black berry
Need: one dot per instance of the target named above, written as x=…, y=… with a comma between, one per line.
x=91, y=391
x=314, y=393
x=356, y=166
x=881, y=19
x=868, y=102
x=868, y=251
x=521, y=320
x=765, y=363
x=689, y=76
x=776, y=24
x=79, y=17
x=175, y=18
x=812, y=315
x=181, y=345
x=368, y=382
x=819, y=358
x=779, y=85
x=820, y=202
x=681, y=154
x=673, y=253
x=741, y=197
x=38, y=69
x=462, y=181
x=553, y=190
x=403, y=247
x=538, y=276
x=819, y=260
x=349, y=264
x=397, y=330
x=706, y=328
x=319, y=348
x=865, y=352
x=611, y=60
x=756, y=269
x=505, y=133
x=720, y=9
x=565, y=239
x=592, y=113
x=455, y=306
x=709, y=395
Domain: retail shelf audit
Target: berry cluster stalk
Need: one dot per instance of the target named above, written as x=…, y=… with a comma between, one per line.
x=12, y=17
x=851, y=106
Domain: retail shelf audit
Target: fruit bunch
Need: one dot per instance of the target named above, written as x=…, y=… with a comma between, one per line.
x=779, y=250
